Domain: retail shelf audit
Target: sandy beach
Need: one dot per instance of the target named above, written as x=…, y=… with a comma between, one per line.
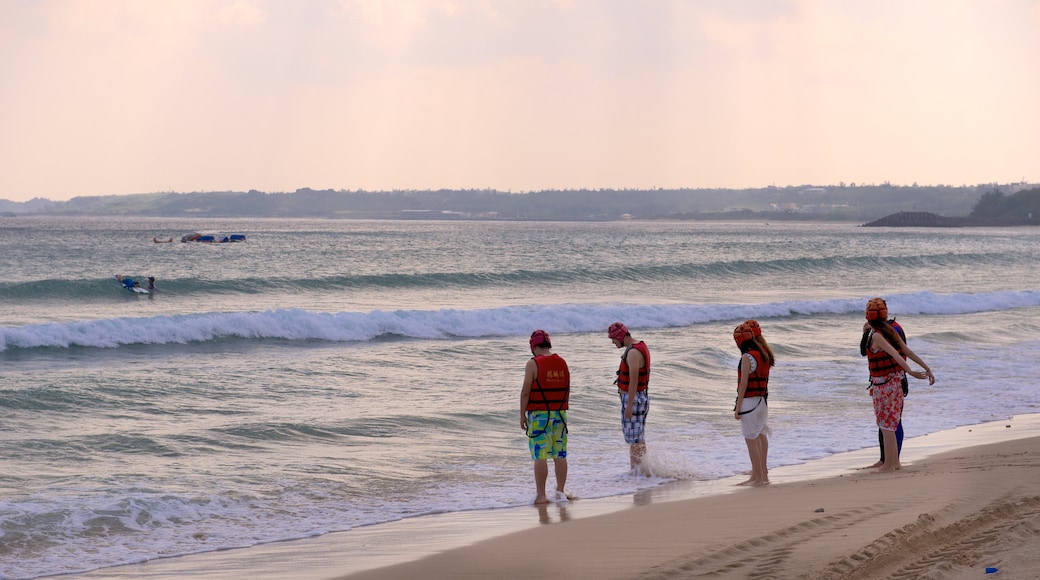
x=966, y=500
x=952, y=515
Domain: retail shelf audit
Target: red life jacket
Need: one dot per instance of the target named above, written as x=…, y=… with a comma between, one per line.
x=880, y=363
x=758, y=379
x=551, y=390
x=643, y=381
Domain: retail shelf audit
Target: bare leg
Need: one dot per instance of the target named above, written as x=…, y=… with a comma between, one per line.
x=561, y=474
x=541, y=473
x=891, y=454
x=763, y=451
x=758, y=450
x=636, y=453
x=751, y=444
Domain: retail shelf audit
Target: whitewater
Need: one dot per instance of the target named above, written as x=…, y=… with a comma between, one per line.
x=329, y=375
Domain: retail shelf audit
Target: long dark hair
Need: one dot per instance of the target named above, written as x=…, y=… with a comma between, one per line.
x=885, y=328
x=759, y=343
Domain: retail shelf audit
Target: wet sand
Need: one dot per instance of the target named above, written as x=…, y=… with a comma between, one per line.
x=965, y=500
x=953, y=515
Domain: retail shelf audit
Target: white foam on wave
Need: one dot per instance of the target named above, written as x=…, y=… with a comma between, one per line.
x=299, y=324
x=667, y=464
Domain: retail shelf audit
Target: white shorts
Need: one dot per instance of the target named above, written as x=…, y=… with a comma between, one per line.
x=754, y=424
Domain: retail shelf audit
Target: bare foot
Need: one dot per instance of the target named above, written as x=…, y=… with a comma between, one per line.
x=748, y=482
x=760, y=483
x=886, y=469
x=540, y=500
x=876, y=465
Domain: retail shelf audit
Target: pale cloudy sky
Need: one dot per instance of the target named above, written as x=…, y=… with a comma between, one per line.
x=102, y=97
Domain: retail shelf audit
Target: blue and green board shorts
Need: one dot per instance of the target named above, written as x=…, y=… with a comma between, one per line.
x=547, y=434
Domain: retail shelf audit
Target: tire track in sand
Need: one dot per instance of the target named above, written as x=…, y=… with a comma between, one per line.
x=762, y=557
x=923, y=551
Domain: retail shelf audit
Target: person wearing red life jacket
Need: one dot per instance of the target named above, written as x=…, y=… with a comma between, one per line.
x=867, y=329
x=544, y=400
x=751, y=407
x=887, y=356
x=633, y=379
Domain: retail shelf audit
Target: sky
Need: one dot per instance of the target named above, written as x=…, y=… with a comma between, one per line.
x=112, y=97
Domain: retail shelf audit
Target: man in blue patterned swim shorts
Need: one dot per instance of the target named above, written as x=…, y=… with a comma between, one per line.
x=632, y=382
x=543, y=414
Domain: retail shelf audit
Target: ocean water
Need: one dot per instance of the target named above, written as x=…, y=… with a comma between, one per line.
x=330, y=374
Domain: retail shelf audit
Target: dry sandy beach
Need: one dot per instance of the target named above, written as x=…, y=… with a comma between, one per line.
x=950, y=516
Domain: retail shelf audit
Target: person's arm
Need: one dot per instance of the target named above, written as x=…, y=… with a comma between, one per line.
x=525, y=393
x=634, y=360
x=879, y=343
x=745, y=373
x=913, y=356
x=864, y=339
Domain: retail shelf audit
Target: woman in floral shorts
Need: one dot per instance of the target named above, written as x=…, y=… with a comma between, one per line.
x=886, y=358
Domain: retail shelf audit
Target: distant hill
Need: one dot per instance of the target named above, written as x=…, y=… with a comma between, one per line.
x=842, y=202
x=993, y=209
x=35, y=205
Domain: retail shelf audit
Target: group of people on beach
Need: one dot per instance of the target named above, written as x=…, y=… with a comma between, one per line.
x=544, y=400
x=545, y=395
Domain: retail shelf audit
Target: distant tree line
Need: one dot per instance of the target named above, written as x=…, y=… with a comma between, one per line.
x=993, y=209
x=1021, y=205
x=842, y=202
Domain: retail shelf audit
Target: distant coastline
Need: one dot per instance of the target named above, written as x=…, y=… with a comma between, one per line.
x=981, y=205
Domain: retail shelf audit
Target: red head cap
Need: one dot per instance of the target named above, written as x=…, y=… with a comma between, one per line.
x=617, y=331
x=744, y=332
x=877, y=309
x=539, y=338
x=755, y=328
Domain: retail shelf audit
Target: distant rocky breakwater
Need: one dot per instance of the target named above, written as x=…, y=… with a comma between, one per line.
x=923, y=219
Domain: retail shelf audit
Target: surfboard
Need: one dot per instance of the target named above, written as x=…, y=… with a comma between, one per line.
x=133, y=289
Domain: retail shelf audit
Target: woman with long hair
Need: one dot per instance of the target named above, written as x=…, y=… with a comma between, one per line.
x=751, y=408
x=886, y=359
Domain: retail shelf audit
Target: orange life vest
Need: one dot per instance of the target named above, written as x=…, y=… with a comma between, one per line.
x=880, y=363
x=758, y=379
x=551, y=390
x=643, y=381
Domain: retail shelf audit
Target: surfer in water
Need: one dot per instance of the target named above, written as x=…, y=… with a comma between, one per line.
x=127, y=282
x=132, y=285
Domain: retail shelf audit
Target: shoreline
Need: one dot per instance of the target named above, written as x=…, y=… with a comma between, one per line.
x=956, y=514
x=409, y=547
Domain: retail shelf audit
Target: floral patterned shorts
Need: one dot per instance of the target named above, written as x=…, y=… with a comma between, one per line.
x=888, y=402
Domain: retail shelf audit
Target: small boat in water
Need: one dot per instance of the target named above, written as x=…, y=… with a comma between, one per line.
x=213, y=239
